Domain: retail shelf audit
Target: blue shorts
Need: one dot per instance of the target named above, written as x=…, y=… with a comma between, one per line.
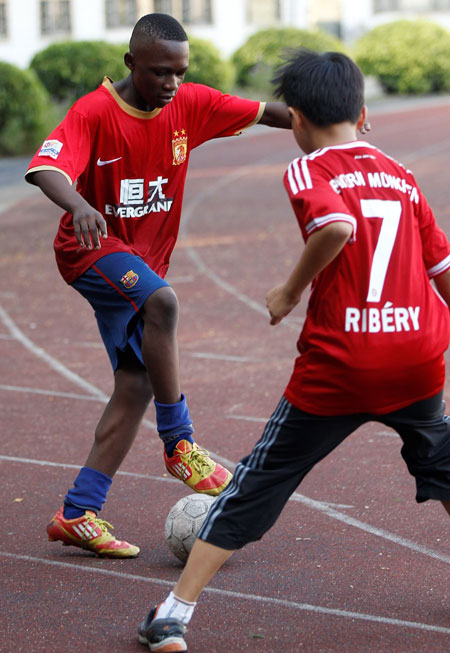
x=117, y=286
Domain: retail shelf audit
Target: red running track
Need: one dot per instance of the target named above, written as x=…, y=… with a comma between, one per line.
x=352, y=564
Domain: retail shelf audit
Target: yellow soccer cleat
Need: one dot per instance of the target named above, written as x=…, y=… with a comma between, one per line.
x=196, y=469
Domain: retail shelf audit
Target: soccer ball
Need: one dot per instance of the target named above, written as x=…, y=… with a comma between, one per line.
x=184, y=521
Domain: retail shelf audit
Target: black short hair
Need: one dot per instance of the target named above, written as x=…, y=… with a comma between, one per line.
x=327, y=87
x=158, y=26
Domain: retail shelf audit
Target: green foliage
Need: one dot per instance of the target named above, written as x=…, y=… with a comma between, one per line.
x=257, y=60
x=207, y=67
x=26, y=116
x=407, y=56
x=70, y=69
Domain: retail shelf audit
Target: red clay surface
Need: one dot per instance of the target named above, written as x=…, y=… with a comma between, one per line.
x=352, y=564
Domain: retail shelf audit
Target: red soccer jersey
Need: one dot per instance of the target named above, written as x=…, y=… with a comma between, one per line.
x=131, y=166
x=375, y=329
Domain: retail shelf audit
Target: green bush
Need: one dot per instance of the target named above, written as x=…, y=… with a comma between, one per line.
x=407, y=56
x=257, y=59
x=70, y=69
x=26, y=115
x=207, y=67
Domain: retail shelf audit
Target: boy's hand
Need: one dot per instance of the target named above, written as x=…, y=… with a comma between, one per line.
x=89, y=226
x=279, y=303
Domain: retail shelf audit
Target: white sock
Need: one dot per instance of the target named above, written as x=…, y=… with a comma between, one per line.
x=175, y=608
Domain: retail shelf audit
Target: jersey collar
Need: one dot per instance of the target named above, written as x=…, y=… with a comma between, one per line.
x=137, y=113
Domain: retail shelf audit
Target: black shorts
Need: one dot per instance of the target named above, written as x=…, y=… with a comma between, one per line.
x=294, y=441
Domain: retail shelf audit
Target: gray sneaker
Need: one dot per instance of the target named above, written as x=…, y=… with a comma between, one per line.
x=162, y=635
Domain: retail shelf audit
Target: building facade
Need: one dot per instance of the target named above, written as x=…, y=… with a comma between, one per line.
x=27, y=26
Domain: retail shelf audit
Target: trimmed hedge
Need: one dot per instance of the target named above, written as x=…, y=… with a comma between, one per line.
x=407, y=56
x=207, y=67
x=70, y=69
x=26, y=115
x=257, y=59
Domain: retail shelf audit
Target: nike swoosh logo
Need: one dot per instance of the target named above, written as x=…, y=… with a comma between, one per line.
x=104, y=163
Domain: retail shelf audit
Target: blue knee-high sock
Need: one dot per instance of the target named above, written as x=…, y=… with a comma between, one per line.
x=174, y=424
x=88, y=493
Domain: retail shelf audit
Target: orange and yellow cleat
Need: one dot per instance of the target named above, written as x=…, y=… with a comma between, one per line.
x=196, y=469
x=90, y=533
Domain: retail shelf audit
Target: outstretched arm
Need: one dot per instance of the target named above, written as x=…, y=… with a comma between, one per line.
x=321, y=248
x=88, y=223
x=276, y=114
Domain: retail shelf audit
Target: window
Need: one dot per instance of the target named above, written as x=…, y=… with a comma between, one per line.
x=163, y=6
x=55, y=16
x=120, y=13
x=263, y=12
x=3, y=19
x=411, y=5
x=188, y=12
x=196, y=11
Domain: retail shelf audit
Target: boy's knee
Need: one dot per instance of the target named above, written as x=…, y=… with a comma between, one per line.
x=161, y=309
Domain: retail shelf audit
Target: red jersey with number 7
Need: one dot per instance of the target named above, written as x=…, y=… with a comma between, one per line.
x=376, y=330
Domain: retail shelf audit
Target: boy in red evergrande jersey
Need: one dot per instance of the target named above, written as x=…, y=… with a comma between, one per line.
x=126, y=146
x=372, y=346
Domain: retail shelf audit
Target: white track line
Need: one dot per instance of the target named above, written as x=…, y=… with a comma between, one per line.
x=304, y=607
x=324, y=507
x=51, y=393
x=99, y=395
x=188, y=212
x=204, y=270
x=48, y=463
x=225, y=357
x=373, y=530
x=55, y=364
x=17, y=334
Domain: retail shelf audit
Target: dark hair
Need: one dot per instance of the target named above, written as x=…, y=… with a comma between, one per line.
x=328, y=87
x=158, y=26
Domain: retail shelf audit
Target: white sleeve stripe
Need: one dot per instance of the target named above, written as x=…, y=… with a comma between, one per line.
x=292, y=184
x=316, y=223
x=306, y=174
x=439, y=268
x=298, y=177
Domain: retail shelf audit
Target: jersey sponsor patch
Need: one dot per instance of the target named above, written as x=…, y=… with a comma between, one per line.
x=179, y=147
x=129, y=279
x=51, y=148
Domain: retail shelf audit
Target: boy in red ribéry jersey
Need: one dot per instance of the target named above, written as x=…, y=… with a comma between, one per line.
x=372, y=345
x=127, y=146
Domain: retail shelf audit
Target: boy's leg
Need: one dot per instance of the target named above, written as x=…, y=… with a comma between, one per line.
x=204, y=561
x=183, y=458
x=292, y=443
x=164, y=627
x=77, y=522
x=119, y=424
x=425, y=431
x=121, y=288
x=160, y=346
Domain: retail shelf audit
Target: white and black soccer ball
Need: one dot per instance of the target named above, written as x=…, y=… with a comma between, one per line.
x=184, y=521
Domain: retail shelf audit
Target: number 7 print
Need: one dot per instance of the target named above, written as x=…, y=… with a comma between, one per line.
x=390, y=212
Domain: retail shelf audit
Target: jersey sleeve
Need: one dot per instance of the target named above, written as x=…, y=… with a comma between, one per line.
x=435, y=245
x=217, y=114
x=314, y=201
x=66, y=149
